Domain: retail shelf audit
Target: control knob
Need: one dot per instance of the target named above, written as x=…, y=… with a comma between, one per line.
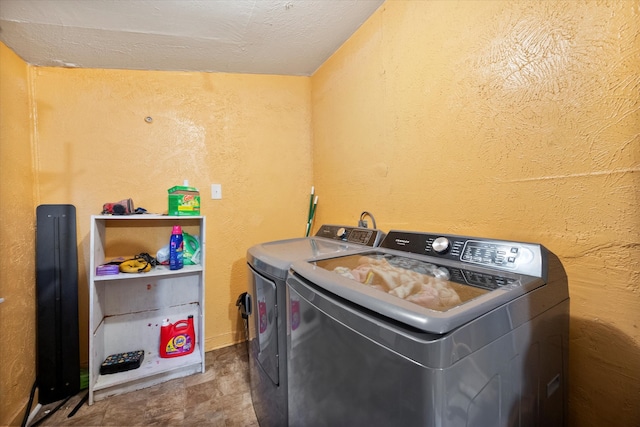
x=441, y=273
x=440, y=245
x=341, y=233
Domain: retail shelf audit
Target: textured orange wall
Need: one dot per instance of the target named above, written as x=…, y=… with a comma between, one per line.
x=509, y=119
x=87, y=143
x=17, y=234
x=248, y=132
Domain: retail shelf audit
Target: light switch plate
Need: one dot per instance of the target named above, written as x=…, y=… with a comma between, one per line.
x=216, y=191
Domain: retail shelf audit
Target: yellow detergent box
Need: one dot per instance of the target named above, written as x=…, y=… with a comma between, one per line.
x=184, y=200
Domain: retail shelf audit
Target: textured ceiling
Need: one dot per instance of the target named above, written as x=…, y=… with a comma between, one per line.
x=289, y=37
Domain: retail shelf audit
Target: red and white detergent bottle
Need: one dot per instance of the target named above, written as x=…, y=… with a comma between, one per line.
x=177, y=339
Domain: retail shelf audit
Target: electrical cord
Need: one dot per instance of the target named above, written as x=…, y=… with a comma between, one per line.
x=26, y=413
x=363, y=223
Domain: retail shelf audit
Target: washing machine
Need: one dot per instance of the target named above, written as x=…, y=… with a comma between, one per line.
x=429, y=330
x=265, y=308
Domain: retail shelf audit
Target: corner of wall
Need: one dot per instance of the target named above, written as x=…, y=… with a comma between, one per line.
x=17, y=257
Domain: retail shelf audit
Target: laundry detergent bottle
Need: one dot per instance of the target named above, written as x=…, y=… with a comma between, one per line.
x=176, y=248
x=177, y=339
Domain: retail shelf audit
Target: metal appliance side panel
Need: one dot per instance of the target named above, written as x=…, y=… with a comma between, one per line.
x=263, y=325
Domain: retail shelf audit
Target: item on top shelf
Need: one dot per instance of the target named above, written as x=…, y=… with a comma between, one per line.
x=176, y=249
x=184, y=200
x=140, y=263
x=177, y=339
x=121, y=362
x=123, y=207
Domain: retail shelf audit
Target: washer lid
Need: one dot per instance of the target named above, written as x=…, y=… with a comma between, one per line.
x=418, y=292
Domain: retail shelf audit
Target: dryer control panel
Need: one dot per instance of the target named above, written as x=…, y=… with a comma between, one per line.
x=358, y=235
x=518, y=257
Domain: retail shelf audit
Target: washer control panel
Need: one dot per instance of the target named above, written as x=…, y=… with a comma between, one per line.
x=518, y=257
x=358, y=235
x=508, y=254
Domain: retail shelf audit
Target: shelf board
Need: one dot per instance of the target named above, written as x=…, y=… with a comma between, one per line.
x=159, y=270
x=152, y=365
x=147, y=216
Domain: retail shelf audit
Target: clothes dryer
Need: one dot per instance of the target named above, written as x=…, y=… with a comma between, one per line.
x=266, y=309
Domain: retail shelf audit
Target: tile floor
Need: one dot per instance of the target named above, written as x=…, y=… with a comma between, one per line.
x=218, y=397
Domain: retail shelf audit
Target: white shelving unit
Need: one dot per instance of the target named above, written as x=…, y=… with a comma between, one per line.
x=126, y=310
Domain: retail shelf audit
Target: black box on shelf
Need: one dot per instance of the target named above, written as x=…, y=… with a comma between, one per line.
x=121, y=362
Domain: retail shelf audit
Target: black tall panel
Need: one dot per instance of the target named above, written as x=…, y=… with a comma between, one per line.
x=58, y=358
